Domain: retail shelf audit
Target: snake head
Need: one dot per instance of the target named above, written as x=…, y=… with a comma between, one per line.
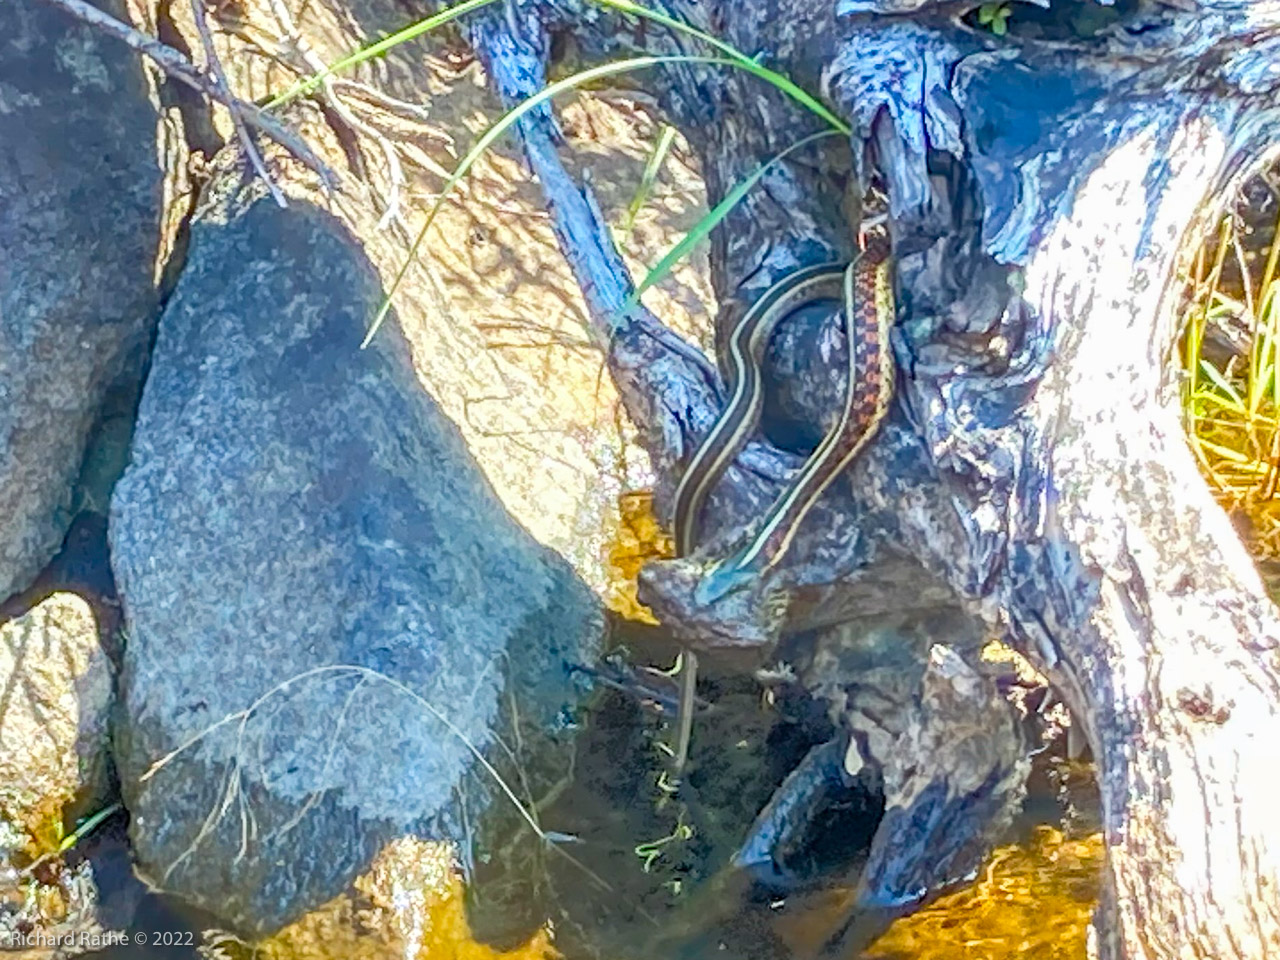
x=721, y=580
x=743, y=619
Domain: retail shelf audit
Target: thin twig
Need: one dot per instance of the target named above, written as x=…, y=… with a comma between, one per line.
x=175, y=65
x=220, y=78
x=401, y=108
x=293, y=40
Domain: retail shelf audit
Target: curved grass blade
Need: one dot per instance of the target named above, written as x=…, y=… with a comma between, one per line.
x=782, y=82
x=411, y=32
x=1229, y=396
x=652, y=167
x=501, y=126
x=709, y=222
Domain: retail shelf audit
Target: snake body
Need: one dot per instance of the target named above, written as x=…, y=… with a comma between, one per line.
x=747, y=343
x=865, y=286
x=867, y=293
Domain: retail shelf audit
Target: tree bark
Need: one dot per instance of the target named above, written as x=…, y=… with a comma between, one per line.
x=1033, y=471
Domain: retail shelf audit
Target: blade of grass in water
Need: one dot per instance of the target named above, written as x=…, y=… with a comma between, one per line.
x=650, y=176
x=310, y=84
x=782, y=82
x=87, y=827
x=708, y=223
x=501, y=126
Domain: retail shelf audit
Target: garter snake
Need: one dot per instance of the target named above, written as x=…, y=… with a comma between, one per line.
x=867, y=293
x=747, y=342
x=868, y=314
x=865, y=287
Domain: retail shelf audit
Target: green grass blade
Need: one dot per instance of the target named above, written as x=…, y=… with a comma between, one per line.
x=1195, y=365
x=411, y=32
x=1269, y=328
x=1270, y=314
x=501, y=126
x=750, y=64
x=1233, y=456
x=1193, y=344
x=1195, y=340
x=1209, y=397
x=85, y=828
x=708, y=223
x=652, y=167
x=1224, y=306
x=1273, y=260
x=1231, y=394
x=1257, y=361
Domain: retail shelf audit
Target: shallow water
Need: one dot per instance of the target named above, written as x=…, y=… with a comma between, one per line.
x=637, y=869
x=1032, y=898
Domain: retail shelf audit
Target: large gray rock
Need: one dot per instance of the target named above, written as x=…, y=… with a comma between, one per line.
x=294, y=504
x=79, y=233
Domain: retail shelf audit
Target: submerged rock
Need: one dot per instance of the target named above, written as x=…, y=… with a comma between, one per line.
x=79, y=234
x=329, y=612
x=410, y=904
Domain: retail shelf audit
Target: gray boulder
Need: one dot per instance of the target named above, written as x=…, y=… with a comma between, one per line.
x=330, y=614
x=79, y=232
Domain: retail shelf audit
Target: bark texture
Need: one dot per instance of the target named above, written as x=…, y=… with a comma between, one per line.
x=1041, y=190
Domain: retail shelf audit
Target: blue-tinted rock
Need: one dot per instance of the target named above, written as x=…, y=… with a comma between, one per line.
x=80, y=198
x=295, y=504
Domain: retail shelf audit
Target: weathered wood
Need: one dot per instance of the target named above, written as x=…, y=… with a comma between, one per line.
x=1034, y=472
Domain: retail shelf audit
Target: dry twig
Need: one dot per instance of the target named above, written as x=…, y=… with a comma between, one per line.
x=220, y=78
x=175, y=65
x=294, y=41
